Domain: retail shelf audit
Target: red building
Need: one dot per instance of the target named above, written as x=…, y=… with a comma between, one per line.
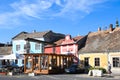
x=53, y=49
x=65, y=46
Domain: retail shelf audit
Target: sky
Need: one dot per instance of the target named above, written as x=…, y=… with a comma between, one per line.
x=74, y=17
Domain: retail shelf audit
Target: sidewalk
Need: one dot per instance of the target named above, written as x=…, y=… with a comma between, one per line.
x=116, y=76
x=105, y=76
x=112, y=76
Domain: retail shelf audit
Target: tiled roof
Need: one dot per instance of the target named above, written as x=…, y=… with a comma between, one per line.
x=102, y=41
x=37, y=34
x=57, y=43
x=6, y=50
x=24, y=35
x=77, y=38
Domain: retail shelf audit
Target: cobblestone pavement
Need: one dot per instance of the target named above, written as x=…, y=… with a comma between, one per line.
x=58, y=77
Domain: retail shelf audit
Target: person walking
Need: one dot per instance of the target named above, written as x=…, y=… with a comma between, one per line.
x=109, y=68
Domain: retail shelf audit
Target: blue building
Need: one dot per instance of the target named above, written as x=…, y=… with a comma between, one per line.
x=30, y=43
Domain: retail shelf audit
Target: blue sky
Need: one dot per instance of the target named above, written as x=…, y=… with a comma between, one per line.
x=63, y=16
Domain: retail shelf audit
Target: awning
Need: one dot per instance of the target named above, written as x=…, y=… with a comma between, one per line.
x=11, y=56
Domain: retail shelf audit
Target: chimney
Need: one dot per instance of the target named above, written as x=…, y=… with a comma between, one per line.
x=117, y=23
x=111, y=27
x=34, y=31
x=99, y=29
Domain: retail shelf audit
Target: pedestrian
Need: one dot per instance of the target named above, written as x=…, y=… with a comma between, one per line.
x=109, y=68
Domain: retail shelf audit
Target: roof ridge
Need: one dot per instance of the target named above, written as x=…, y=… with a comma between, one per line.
x=40, y=32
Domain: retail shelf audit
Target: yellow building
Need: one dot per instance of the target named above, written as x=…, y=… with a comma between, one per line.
x=94, y=59
x=102, y=47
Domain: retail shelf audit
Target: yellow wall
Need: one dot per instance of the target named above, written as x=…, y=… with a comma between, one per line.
x=103, y=58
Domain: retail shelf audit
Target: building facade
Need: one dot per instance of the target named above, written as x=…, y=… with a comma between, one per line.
x=54, y=49
x=30, y=43
x=66, y=46
x=102, y=47
x=6, y=56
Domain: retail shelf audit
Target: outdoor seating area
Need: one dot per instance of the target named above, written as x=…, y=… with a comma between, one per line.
x=46, y=63
x=11, y=69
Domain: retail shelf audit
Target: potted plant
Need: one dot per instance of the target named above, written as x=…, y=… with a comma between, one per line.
x=96, y=71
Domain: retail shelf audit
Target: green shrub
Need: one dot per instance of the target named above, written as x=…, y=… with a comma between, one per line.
x=103, y=69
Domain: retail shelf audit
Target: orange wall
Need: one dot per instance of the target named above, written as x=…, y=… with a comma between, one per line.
x=50, y=50
x=57, y=50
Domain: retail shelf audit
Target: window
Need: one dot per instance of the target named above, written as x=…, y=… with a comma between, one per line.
x=25, y=47
x=17, y=47
x=22, y=61
x=42, y=48
x=16, y=61
x=37, y=46
x=3, y=62
x=86, y=61
x=116, y=62
x=97, y=61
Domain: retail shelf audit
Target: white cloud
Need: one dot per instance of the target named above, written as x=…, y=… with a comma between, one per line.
x=41, y=8
x=46, y=9
x=79, y=5
x=7, y=20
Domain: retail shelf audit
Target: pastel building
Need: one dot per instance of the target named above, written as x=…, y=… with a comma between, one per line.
x=66, y=46
x=102, y=47
x=30, y=43
x=6, y=55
